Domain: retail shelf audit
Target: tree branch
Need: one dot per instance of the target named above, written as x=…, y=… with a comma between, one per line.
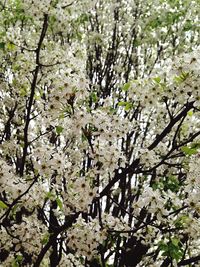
x=33, y=86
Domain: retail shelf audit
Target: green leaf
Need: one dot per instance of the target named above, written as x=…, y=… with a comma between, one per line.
x=175, y=241
x=122, y=103
x=59, y=129
x=94, y=97
x=128, y=106
x=19, y=258
x=15, y=264
x=189, y=24
x=45, y=239
x=171, y=249
x=10, y=46
x=83, y=18
x=162, y=246
x=158, y=185
x=157, y=79
x=14, y=210
x=59, y=203
x=23, y=91
x=190, y=113
x=171, y=183
x=182, y=221
x=126, y=86
x=3, y=205
x=181, y=78
x=174, y=250
x=2, y=45
x=155, y=23
x=189, y=151
x=50, y=195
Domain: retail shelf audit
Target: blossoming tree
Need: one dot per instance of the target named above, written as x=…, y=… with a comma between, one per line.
x=99, y=133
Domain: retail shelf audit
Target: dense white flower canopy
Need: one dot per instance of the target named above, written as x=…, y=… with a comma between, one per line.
x=99, y=133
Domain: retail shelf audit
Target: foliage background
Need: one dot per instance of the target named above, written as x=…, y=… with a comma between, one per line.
x=99, y=133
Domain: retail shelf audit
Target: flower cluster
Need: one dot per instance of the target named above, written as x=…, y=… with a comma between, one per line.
x=84, y=238
x=79, y=196
x=99, y=120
